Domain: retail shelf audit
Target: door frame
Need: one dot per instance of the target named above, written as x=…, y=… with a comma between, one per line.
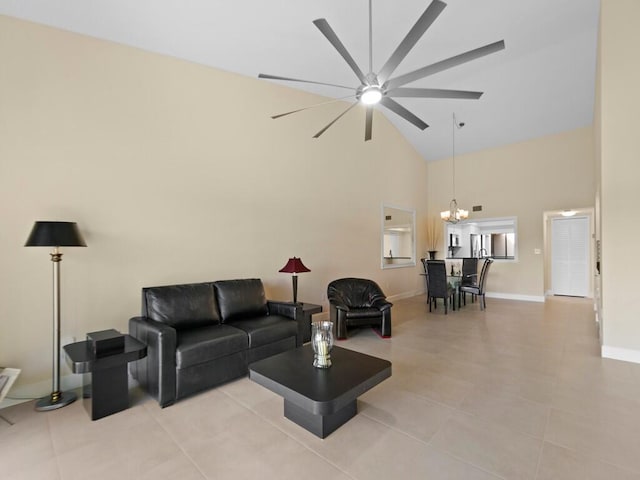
x=547, y=218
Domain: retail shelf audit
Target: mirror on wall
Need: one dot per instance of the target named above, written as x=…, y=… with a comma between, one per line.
x=398, y=237
x=488, y=237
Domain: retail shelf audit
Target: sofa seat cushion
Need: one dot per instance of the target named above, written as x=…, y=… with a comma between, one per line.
x=203, y=344
x=267, y=329
x=363, y=313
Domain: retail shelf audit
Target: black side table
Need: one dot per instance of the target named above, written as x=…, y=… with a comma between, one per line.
x=308, y=309
x=104, y=379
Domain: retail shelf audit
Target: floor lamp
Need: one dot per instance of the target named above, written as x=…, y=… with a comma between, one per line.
x=55, y=234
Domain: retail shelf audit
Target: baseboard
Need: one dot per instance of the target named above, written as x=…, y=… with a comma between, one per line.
x=504, y=296
x=516, y=296
x=624, y=354
x=400, y=296
x=30, y=391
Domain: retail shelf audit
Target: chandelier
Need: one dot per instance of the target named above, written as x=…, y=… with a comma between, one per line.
x=454, y=214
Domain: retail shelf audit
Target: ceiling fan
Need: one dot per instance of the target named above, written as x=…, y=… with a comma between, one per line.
x=381, y=87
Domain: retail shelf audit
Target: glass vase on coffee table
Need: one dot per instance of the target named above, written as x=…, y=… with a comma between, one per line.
x=322, y=343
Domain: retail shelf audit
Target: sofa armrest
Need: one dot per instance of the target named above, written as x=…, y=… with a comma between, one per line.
x=291, y=310
x=286, y=309
x=156, y=373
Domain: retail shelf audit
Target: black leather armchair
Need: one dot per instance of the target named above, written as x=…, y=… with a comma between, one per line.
x=203, y=334
x=358, y=302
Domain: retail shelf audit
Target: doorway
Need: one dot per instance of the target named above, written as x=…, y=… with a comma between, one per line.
x=570, y=254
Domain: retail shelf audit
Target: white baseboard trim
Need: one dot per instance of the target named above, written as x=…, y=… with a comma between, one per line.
x=516, y=296
x=27, y=392
x=504, y=296
x=624, y=354
x=400, y=296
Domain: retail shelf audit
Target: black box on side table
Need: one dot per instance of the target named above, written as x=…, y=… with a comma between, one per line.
x=106, y=342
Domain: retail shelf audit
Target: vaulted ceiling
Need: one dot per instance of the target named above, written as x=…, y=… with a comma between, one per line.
x=542, y=83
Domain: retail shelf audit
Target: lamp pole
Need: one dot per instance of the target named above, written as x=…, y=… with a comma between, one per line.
x=57, y=399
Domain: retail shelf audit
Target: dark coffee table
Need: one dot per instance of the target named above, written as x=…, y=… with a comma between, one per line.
x=320, y=400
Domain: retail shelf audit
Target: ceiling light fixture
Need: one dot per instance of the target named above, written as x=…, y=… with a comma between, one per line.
x=371, y=95
x=568, y=213
x=454, y=214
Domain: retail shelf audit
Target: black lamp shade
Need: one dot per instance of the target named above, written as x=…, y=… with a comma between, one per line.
x=55, y=234
x=294, y=265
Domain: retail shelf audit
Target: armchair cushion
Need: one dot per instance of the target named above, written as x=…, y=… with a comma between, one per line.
x=363, y=313
x=181, y=306
x=241, y=299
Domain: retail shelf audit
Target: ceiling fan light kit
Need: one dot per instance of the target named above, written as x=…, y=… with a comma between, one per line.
x=371, y=95
x=381, y=87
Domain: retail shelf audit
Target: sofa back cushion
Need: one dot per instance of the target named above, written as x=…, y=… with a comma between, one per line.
x=181, y=306
x=240, y=299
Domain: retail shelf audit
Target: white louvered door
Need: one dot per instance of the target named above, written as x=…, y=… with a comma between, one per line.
x=570, y=256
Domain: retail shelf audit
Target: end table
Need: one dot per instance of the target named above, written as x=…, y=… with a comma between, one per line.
x=308, y=309
x=104, y=379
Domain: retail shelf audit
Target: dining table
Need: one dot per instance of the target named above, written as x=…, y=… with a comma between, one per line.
x=454, y=282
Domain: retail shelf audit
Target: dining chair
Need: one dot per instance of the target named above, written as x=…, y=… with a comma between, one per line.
x=469, y=277
x=426, y=281
x=479, y=289
x=438, y=285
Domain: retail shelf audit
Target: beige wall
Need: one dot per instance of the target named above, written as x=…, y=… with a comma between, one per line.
x=524, y=180
x=176, y=173
x=619, y=149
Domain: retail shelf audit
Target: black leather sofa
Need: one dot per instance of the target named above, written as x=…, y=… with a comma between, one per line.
x=356, y=302
x=200, y=335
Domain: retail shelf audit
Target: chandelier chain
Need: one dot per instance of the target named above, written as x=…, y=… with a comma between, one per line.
x=455, y=214
x=453, y=159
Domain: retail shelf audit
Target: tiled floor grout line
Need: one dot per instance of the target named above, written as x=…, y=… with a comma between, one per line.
x=175, y=441
x=428, y=444
x=544, y=434
x=53, y=448
x=299, y=442
x=620, y=467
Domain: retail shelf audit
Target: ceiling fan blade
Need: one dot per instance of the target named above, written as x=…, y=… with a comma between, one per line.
x=328, y=32
x=421, y=26
x=335, y=120
x=288, y=79
x=368, y=127
x=433, y=93
x=310, y=106
x=445, y=64
x=398, y=109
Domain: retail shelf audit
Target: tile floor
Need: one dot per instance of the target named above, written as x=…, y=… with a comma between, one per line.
x=515, y=392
